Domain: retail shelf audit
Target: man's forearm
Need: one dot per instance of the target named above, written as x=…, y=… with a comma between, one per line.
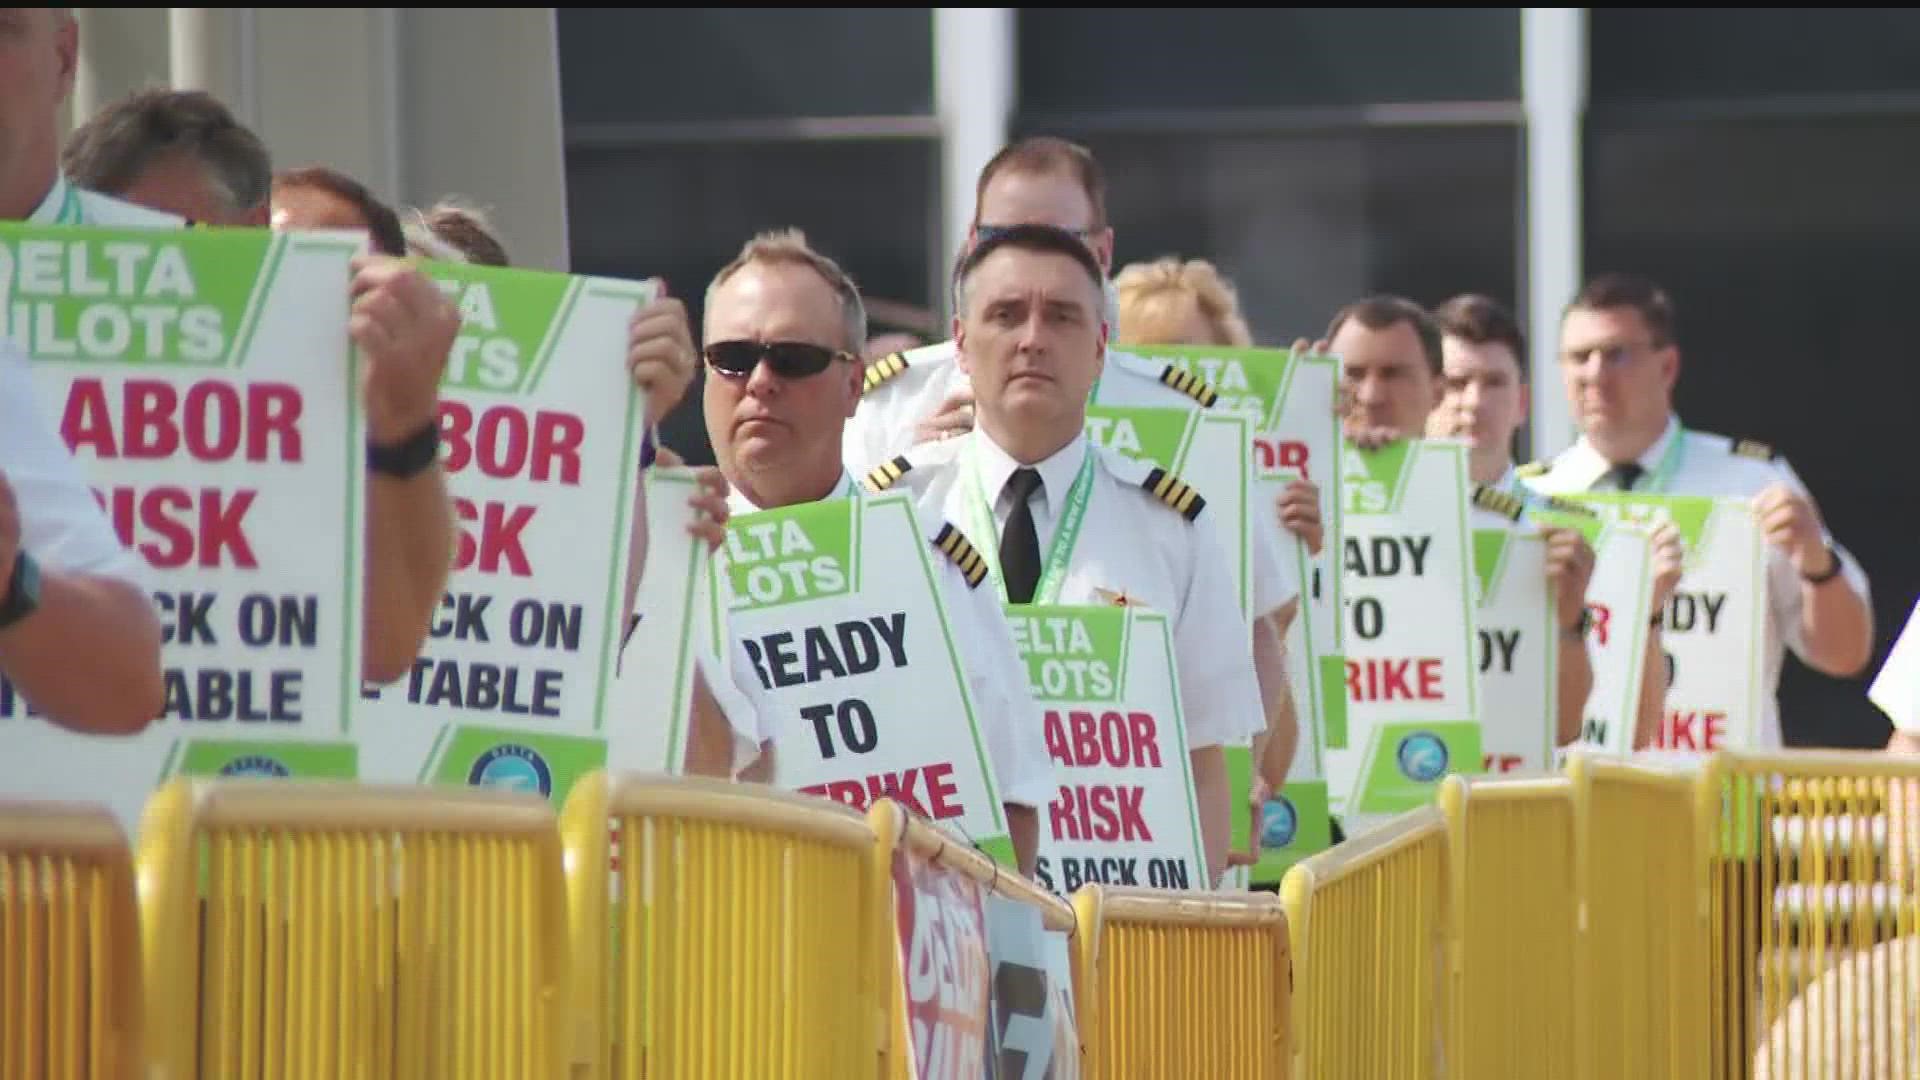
x=1653, y=692
x=1837, y=626
x=409, y=556
x=88, y=658
x=1023, y=828
x=1575, y=669
x=1273, y=749
x=1216, y=816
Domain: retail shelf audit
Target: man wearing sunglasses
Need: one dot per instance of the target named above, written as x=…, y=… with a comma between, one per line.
x=1620, y=362
x=784, y=326
x=1031, y=334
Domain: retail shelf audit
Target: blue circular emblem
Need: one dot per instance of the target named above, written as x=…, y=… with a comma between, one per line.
x=1423, y=757
x=515, y=768
x=254, y=765
x=1279, y=822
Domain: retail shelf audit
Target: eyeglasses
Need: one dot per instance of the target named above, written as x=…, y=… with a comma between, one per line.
x=788, y=359
x=1612, y=355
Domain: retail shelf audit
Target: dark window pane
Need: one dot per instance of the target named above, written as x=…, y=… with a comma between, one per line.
x=651, y=65
x=683, y=211
x=1661, y=54
x=1790, y=249
x=1080, y=60
x=1305, y=222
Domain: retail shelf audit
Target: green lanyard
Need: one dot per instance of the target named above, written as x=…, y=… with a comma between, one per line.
x=987, y=538
x=70, y=212
x=1656, y=481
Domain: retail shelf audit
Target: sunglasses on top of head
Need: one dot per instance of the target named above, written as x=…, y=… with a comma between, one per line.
x=788, y=359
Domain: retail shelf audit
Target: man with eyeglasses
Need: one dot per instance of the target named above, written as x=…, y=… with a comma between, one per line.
x=1619, y=361
x=783, y=329
x=1031, y=334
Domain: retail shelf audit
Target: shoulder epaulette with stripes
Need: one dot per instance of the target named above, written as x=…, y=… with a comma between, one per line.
x=1753, y=448
x=952, y=543
x=1568, y=506
x=1175, y=492
x=883, y=369
x=1499, y=502
x=888, y=474
x=1189, y=384
x=1532, y=469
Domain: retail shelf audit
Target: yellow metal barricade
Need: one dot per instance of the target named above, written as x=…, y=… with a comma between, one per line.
x=324, y=929
x=900, y=832
x=1513, y=925
x=739, y=933
x=1815, y=967
x=1369, y=922
x=69, y=944
x=1641, y=861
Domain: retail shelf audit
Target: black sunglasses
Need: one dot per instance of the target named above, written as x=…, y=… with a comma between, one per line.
x=788, y=359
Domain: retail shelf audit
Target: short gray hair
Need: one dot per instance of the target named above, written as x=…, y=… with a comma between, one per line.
x=789, y=247
x=109, y=152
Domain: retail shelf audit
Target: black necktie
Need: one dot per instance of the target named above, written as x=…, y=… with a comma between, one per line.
x=1019, y=542
x=1627, y=475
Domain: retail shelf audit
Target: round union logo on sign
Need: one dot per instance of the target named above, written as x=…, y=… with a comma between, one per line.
x=513, y=767
x=1279, y=822
x=1422, y=757
x=255, y=765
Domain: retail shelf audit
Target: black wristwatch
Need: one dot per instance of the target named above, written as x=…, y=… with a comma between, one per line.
x=410, y=456
x=1833, y=569
x=23, y=591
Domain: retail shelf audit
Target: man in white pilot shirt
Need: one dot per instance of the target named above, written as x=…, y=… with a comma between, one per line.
x=783, y=328
x=1031, y=335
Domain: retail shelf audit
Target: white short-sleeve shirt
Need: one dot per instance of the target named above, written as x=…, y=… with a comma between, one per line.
x=1683, y=462
x=882, y=429
x=1133, y=546
x=66, y=204
x=1011, y=721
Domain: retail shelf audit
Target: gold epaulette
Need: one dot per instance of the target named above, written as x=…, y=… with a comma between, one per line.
x=888, y=474
x=1189, y=384
x=1499, y=502
x=952, y=543
x=883, y=369
x=1568, y=506
x=1175, y=492
x=1532, y=469
x=1755, y=449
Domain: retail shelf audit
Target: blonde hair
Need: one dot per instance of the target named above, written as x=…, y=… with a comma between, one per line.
x=1157, y=298
x=789, y=247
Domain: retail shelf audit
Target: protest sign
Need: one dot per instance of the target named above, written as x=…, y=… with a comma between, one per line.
x=1518, y=651
x=1412, y=692
x=204, y=381
x=941, y=924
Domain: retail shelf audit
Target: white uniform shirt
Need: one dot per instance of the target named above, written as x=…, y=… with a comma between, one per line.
x=882, y=429
x=1011, y=721
x=66, y=204
x=1683, y=462
x=1130, y=544
x=1896, y=689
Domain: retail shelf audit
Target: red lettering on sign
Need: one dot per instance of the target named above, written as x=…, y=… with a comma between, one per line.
x=214, y=421
x=1377, y=679
x=204, y=528
x=507, y=446
x=1099, y=812
x=498, y=541
x=1601, y=616
x=927, y=790
x=1677, y=731
x=1113, y=739
x=1499, y=763
x=1288, y=454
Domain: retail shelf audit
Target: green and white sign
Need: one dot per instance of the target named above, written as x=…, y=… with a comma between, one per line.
x=1518, y=651
x=840, y=608
x=1412, y=627
x=1619, y=595
x=204, y=381
x=1714, y=625
x=1125, y=814
x=652, y=695
x=541, y=429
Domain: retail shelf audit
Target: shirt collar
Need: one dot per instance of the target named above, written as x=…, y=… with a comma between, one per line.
x=1588, y=467
x=738, y=502
x=1057, y=473
x=48, y=212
